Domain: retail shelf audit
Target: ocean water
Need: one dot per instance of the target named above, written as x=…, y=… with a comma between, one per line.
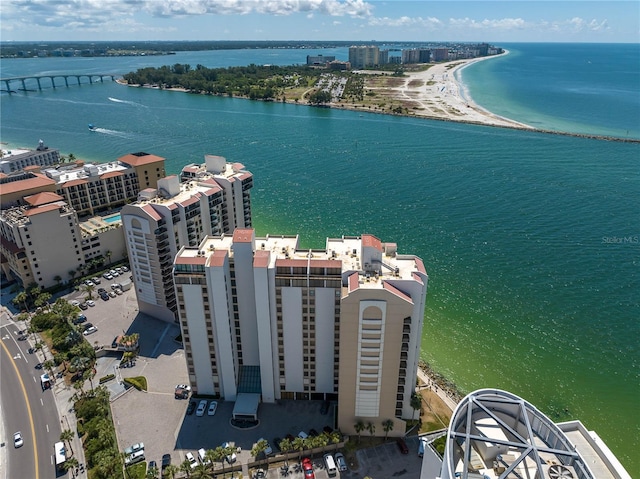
x=531, y=240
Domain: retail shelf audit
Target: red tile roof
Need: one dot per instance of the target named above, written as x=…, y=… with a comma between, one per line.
x=261, y=259
x=243, y=235
x=420, y=265
x=37, y=181
x=43, y=198
x=74, y=183
x=10, y=246
x=396, y=291
x=151, y=212
x=133, y=160
x=111, y=174
x=372, y=242
x=43, y=209
x=191, y=260
x=218, y=258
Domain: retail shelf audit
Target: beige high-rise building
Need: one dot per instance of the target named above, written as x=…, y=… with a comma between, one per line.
x=263, y=316
x=214, y=198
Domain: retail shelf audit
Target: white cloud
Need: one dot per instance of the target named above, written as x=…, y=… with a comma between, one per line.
x=488, y=24
x=404, y=22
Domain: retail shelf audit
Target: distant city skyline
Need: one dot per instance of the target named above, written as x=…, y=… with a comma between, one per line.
x=346, y=20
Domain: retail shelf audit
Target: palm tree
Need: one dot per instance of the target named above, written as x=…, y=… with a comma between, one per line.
x=152, y=473
x=171, y=470
x=67, y=435
x=285, y=445
x=43, y=300
x=335, y=437
x=21, y=299
x=70, y=464
x=416, y=403
x=259, y=448
x=71, y=158
x=58, y=279
x=200, y=472
x=108, y=255
x=89, y=289
x=371, y=428
x=72, y=273
x=298, y=445
x=387, y=425
x=359, y=427
x=213, y=456
x=185, y=466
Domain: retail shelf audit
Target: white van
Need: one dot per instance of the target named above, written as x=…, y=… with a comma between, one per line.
x=203, y=459
x=332, y=470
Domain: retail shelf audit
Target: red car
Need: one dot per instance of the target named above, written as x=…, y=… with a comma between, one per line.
x=402, y=446
x=307, y=467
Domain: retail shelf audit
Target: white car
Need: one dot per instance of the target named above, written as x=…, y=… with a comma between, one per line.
x=90, y=330
x=125, y=269
x=91, y=303
x=232, y=457
x=118, y=291
x=192, y=460
x=183, y=386
x=107, y=276
x=17, y=439
x=75, y=303
x=202, y=405
x=213, y=405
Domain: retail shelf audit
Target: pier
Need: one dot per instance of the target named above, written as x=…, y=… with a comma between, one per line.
x=91, y=77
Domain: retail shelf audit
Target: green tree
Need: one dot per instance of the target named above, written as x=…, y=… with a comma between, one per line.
x=58, y=279
x=70, y=464
x=285, y=445
x=71, y=158
x=319, y=97
x=359, y=427
x=416, y=404
x=21, y=300
x=72, y=273
x=335, y=438
x=43, y=300
x=108, y=255
x=259, y=448
x=387, y=425
x=171, y=470
x=298, y=445
x=66, y=436
x=200, y=472
x=185, y=467
x=371, y=428
x=89, y=289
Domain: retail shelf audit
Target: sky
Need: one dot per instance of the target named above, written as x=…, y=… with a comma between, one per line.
x=347, y=20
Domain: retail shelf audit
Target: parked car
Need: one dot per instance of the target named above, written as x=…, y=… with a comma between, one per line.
x=166, y=460
x=268, y=451
x=307, y=467
x=341, y=462
x=402, y=446
x=231, y=458
x=83, y=306
x=313, y=433
x=112, y=294
x=276, y=443
x=17, y=439
x=202, y=406
x=118, y=291
x=125, y=269
x=90, y=330
x=105, y=297
x=101, y=291
x=74, y=303
x=213, y=405
x=152, y=465
x=192, y=460
x=191, y=408
x=97, y=280
x=303, y=435
x=107, y=276
x=139, y=446
x=134, y=458
x=202, y=455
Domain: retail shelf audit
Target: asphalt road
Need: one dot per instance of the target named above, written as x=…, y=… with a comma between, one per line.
x=26, y=408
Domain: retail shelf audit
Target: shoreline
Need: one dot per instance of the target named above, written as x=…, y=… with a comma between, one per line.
x=438, y=94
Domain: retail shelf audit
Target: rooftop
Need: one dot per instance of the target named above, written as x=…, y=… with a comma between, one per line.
x=344, y=253
x=73, y=174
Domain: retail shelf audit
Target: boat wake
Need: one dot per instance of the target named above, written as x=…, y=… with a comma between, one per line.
x=117, y=100
x=106, y=131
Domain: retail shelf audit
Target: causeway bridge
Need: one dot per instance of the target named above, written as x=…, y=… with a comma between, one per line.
x=90, y=79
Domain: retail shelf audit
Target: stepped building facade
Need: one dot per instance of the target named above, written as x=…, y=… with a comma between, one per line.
x=264, y=316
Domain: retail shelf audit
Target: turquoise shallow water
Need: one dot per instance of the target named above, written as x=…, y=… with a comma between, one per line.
x=531, y=240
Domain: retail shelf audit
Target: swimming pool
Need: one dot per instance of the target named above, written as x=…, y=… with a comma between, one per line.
x=112, y=219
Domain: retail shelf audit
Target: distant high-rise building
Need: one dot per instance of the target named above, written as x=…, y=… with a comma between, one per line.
x=364, y=56
x=212, y=199
x=264, y=316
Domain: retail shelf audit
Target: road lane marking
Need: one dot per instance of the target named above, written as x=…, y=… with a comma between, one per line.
x=26, y=401
x=47, y=428
x=41, y=403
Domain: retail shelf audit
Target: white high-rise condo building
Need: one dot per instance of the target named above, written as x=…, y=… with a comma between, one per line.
x=264, y=316
x=212, y=199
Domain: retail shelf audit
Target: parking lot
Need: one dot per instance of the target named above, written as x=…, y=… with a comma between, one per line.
x=159, y=420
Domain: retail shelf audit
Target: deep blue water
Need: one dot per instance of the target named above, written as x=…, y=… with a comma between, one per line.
x=531, y=240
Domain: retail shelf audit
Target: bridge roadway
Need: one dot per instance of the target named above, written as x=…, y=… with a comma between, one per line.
x=91, y=76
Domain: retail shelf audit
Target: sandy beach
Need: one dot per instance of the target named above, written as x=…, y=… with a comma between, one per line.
x=436, y=93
